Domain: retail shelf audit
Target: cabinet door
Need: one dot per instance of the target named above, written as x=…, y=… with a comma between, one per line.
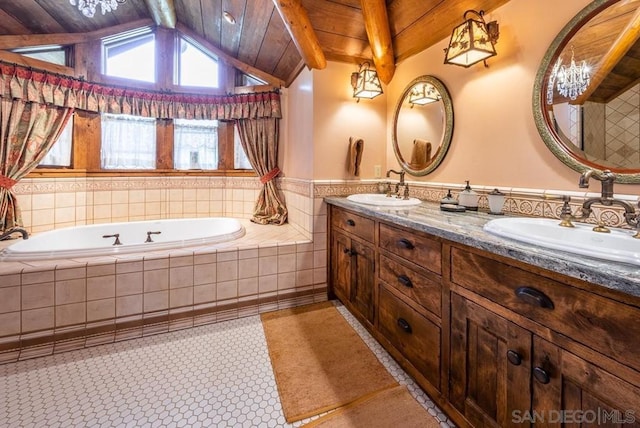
x=363, y=279
x=570, y=391
x=490, y=366
x=341, y=265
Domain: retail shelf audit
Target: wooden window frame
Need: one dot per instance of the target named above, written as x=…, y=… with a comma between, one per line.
x=87, y=135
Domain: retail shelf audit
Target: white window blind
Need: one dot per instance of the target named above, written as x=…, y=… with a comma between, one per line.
x=60, y=152
x=128, y=142
x=195, y=144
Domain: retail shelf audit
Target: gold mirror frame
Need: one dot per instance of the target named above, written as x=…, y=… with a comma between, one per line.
x=447, y=133
x=542, y=120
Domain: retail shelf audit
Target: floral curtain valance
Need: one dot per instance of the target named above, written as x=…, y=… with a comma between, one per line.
x=18, y=82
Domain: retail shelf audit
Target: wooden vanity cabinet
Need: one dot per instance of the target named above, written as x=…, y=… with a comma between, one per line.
x=495, y=342
x=353, y=262
x=391, y=278
x=530, y=350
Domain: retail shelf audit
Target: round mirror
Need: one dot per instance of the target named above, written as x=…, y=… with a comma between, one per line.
x=587, y=91
x=422, y=125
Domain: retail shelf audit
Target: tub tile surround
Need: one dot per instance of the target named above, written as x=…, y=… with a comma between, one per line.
x=53, y=306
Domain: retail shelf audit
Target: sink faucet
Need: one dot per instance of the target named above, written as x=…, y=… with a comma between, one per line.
x=606, y=198
x=400, y=183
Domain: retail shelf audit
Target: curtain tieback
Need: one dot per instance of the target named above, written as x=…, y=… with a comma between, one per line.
x=6, y=182
x=270, y=175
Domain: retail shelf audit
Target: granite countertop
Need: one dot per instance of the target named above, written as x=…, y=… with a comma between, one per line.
x=466, y=228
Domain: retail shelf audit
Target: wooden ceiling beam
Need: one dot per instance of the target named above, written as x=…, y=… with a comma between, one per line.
x=298, y=25
x=625, y=41
x=376, y=23
x=28, y=40
x=272, y=80
x=163, y=12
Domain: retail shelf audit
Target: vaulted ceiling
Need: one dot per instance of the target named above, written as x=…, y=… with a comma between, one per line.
x=277, y=38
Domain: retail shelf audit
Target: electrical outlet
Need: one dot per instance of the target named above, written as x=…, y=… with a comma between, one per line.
x=377, y=171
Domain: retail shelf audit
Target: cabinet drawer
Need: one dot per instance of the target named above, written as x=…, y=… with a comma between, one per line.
x=605, y=325
x=353, y=223
x=423, y=287
x=417, y=338
x=412, y=246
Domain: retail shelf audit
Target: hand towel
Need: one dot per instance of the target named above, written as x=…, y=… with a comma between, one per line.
x=420, y=153
x=356, y=147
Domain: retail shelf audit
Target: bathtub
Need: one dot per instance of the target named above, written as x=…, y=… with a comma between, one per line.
x=138, y=236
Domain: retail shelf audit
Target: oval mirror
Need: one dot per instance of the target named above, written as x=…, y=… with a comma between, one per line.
x=587, y=91
x=422, y=125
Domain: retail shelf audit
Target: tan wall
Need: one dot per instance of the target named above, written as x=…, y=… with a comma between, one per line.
x=495, y=141
x=296, y=147
x=337, y=117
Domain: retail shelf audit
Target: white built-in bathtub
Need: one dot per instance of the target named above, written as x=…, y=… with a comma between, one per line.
x=91, y=240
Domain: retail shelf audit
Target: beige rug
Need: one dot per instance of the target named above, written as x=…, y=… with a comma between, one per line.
x=320, y=362
x=394, y=407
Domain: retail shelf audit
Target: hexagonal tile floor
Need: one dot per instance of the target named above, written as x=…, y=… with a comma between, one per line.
x=218, y=375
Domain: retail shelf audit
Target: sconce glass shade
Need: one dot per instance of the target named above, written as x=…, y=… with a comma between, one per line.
x=472, y=41
x=365, y=82
x=423, y=94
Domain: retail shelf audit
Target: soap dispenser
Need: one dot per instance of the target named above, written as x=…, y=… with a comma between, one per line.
x=449, y=199
x=449, y=203
x=468, y=198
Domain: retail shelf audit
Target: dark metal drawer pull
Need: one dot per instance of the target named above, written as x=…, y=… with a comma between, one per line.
x=514, y=357
x=349, y=252
x=406, y=244
x=534, y=297
x=541, y=375
x=403, y=324
x=351, y=222
x=405, y=280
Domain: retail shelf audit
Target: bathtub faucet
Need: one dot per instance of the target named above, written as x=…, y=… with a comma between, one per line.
x=7, y=233
x=149, y=236
x=115, y=235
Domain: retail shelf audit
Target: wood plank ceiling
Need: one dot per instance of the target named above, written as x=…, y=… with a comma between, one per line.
x=261, y=38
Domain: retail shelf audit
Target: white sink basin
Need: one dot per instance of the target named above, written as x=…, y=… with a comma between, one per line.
x=381, y=200
x=618, y=246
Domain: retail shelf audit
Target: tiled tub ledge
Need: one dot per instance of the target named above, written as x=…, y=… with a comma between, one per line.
x=53, y=306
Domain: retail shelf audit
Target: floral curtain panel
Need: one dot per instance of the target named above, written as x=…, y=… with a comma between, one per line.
x=27, y=132
x=259, y=138
x=45, y=88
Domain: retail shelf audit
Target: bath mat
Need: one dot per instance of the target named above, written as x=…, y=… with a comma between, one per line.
x=393, y=407
x=319, y=361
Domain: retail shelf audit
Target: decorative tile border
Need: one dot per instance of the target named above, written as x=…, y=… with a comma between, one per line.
x=524, y=202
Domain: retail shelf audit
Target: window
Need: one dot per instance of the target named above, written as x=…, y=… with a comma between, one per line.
x=131, y=56
x=52, y=54
x=60, y=153
x=128, y=142
x=195, y=144
x=195, y=66
x=240, y=160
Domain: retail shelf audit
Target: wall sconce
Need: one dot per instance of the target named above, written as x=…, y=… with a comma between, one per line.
x=472, y=41
x=365, y=82
x=423, y=94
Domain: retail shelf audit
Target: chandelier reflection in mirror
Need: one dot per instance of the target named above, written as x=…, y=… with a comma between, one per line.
x=571, y=81
x=365, y=82
x=88, y=7
x=423, y=94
